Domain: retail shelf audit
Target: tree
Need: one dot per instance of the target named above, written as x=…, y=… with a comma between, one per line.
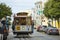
x=52, y=9
x=5, y=10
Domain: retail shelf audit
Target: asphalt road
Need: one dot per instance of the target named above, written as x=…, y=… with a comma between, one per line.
x=35, y=36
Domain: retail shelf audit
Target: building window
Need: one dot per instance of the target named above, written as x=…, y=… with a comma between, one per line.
x=37, y=7
x=43, y=20
x=42, y=17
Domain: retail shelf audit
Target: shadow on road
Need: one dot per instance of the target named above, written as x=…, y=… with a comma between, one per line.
x=23, y=36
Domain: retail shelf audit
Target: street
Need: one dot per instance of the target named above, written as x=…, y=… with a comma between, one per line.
x=35, y=36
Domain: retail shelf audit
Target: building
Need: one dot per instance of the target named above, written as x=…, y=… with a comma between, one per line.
x=39, y=17
x=39, y=12
x=44, y=20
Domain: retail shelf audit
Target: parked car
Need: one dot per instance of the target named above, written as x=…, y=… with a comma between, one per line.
x=40, y=28
x=52, y=30
x=44, y=27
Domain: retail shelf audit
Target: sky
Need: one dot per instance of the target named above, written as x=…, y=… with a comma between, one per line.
x=18, y=5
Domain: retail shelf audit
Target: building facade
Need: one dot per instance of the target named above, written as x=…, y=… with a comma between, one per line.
x=39, y=12
x=39, y=17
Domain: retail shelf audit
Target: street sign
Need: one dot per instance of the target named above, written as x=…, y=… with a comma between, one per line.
x=39, y=12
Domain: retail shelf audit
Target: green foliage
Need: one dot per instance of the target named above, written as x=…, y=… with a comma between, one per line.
x=5, y=10
x=52, y=9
